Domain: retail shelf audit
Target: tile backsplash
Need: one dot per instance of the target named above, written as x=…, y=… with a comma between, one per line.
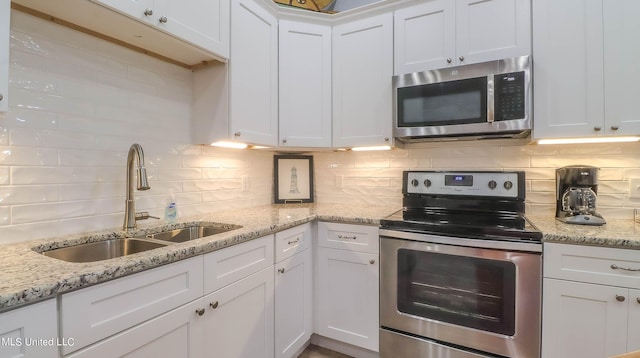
x=77, y=103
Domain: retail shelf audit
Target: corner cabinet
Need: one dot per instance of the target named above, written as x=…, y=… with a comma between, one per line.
x=591, y=301
x=442, y=33
x=346, y=280
x=23, y=331
x=5, y=14
x=585, y=84
x=362, y=70
x=253, y=84
x=305, y=84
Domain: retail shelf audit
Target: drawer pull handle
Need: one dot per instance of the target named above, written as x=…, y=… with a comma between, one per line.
x=620, y=298
x=372, y=261
x=214, y=305
x=346, y=237
x=616, y=267
x=200, y=311
x=294, y=241
x=281, y=270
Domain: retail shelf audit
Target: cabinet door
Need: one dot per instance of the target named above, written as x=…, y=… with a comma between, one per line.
x=424, y=37
x=305, y=84
x=362, y=70
x=491, y=30
x=583, y=320
x=239, y=319
x=621, y=51
x=568, y=68
x=203, y=23
x=254, y=74
x=20, y=330
x=293, y=304
x=141, y=9
x=633, y=333
x=178, y=333
x=5, y=12
x=347, y=297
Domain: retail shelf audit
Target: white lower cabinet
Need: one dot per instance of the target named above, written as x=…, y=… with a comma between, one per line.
x=346, y=285
x=591, y=301
x=25, y=331
x=240, y=318
x=178, y=333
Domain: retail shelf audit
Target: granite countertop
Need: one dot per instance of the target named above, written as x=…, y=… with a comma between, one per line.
x=26, y=276
x=615, y=233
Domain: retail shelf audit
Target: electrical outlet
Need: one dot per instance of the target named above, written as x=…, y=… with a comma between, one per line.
x=634, y=188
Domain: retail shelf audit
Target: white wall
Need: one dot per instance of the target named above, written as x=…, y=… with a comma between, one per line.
x=76, y=105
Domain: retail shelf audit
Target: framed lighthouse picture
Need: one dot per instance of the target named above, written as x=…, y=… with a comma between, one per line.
x=293, y=178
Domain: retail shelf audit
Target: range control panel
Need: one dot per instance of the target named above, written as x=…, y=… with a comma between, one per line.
x=500, y=184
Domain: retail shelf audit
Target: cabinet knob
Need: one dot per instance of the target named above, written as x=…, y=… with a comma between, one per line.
x=1, y=97
x=386, y=139
x=620, y=298
x=163, y=19
x=597, y=129
x=200, y=311
x=214, y=305
x=237, y=134
x=461, y=58
x=148, y=12
x=281, y=270
x=614, y=128
x=372, y=261
x=284, y=140
x=449, y=60
x=638, y=299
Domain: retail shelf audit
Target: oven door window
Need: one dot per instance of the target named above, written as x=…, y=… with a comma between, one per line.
x=465, y=291
x=446, y=103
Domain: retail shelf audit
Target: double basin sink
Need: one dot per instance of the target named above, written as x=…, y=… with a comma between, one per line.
x=112, y=248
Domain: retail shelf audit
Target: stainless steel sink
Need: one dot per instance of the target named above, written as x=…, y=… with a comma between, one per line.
x=103, y=250
x=189, y=233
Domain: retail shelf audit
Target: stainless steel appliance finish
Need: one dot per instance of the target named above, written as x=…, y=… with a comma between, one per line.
x=460, y=269
x=485, y=100
x=576, y=195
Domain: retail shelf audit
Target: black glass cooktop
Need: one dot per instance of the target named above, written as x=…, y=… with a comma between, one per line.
x=466, y=224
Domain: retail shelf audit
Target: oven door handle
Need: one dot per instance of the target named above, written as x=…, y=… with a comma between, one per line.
x=479, y=243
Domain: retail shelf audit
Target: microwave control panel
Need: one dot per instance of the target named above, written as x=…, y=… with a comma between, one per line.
x=509, y=96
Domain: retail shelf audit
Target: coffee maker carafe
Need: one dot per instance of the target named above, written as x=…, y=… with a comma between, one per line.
x=576, y=194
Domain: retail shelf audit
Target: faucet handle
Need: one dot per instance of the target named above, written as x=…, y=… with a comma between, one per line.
x=144, y=215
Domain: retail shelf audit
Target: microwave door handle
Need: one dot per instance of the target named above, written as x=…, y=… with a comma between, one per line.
x=490, y=99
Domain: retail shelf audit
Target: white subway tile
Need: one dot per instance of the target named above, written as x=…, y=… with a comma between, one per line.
x=88, y=191
x=4, y=175
x=25, y=194
x=26, y=232
x=21, y=214
x=61, y=175
x=213, y=184
x=5, y=215
x=179, y=173
x=28, y=156
x=90, y=223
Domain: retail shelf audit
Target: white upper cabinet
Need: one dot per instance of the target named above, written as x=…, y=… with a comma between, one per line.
x=5, y=11
x=585, y=69
x=362, y=70
x=253, y=74
x=305, y=84
x=202, y=23
x=443, y=33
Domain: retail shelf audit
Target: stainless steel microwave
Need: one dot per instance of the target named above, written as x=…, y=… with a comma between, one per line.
x=483, y=100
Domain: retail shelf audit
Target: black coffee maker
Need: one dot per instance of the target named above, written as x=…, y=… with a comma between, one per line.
x=576, y=194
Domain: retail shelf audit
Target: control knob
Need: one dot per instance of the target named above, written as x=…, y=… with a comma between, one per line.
x=427, y=183
x=415, y=182
x=492, y=184
x=508, y=185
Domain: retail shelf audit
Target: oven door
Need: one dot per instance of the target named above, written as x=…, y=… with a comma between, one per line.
x=480, y=298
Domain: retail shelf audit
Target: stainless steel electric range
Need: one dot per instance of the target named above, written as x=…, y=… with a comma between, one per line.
x=460, y=268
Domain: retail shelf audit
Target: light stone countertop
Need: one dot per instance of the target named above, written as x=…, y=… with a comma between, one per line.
x=26, y=276
x=615, y=233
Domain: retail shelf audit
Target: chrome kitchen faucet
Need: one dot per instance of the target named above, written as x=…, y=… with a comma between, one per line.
x=130, y=215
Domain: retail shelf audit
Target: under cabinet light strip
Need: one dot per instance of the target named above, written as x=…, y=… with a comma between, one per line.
x=589, y=140
x=377, y=147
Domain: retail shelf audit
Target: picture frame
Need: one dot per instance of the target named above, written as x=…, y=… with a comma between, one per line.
x=293, y=178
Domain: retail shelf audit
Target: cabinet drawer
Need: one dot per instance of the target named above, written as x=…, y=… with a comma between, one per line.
x=603, y=265
x=291, y=241
x=231, y=264
x=362, y=238
x=96, y=312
